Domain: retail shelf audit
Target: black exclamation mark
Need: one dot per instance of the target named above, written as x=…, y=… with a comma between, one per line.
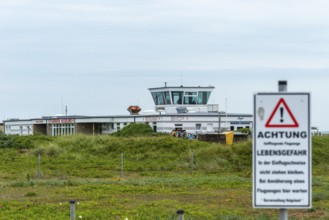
x=281, y=112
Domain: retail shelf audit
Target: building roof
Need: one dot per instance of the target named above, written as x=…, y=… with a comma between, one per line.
x=196, y=114
x=183, y=87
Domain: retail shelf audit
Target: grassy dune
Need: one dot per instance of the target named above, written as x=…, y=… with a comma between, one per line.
x=161, y=175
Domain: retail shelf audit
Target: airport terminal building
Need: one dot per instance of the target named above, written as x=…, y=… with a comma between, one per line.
x=176, y=108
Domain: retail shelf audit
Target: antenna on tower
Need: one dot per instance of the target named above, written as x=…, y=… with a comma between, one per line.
x=62, y=105
x=181, y=78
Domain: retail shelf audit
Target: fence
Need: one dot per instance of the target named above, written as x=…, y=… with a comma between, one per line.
x=153, y=186
x=119, y=165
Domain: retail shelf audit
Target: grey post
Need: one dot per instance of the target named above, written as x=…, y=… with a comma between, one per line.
x=283, y=213
x=39, y=164
x=72, y=209
x=283, y=86
x=219, y=121
x=121, y=164
x=180, y=214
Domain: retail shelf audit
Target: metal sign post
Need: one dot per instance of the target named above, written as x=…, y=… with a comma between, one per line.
x=72, y=209
x=282, y=151
x=283, y=213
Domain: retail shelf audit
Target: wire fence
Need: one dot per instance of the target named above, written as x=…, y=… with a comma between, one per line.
x=120, y=165
x=117, y=180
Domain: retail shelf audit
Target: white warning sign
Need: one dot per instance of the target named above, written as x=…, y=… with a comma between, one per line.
x=282, y=151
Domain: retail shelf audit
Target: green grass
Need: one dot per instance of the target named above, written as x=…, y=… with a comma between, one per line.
x=158, y=179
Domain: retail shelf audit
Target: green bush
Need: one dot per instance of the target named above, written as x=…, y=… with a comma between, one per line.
x=135, y=129
x=23, y=142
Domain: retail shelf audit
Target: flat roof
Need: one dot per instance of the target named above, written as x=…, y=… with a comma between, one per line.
x=183, y=87
x=200, y=114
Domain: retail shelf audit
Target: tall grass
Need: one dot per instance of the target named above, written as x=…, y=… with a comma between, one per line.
x=158, y=178
x=146, y=151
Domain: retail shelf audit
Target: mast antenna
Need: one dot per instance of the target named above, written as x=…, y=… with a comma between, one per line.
x=181, y=78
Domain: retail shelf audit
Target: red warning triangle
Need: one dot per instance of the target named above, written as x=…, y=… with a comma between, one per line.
x=279, y=112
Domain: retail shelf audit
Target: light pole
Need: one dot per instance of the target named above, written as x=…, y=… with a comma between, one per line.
x=226, y=113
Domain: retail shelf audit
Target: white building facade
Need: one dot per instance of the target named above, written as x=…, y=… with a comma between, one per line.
x=176, y=108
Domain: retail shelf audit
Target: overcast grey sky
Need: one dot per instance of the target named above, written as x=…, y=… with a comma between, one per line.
x=100, y=56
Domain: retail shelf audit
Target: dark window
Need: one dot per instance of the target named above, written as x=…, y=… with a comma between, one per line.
x=177, y=97
x=167, y=97
x=178, y=126
x=203, y=98
x=158, y=98
x=154, y=127
x=190, y=98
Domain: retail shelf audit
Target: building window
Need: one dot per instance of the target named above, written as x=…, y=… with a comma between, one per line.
x=154, y=126
x=62, y=129
x=158, y=98
x=178, y=126
x=198, y=127
x=161, y=98
x=118, y=126
x=203, y=98
x=190, y=98
x=177, y=98
x=167, y=98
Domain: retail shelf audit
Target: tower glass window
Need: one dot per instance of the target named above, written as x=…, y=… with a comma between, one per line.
x=158, y=98
x=181, y=95
x=203, y=98
x=167, y=97
x=190, y=98
x=177, y=97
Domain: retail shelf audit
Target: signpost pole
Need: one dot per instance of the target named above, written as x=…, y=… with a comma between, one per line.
x=283, y=213
x=72, y=209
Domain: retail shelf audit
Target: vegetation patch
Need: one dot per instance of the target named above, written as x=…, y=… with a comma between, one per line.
x=140, y=176
x=30, y=194
x=135, y=129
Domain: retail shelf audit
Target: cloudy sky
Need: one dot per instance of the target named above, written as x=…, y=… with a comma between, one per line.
x=100, y=56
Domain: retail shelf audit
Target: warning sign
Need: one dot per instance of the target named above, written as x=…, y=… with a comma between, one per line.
x=282, y=117
x=282, y=151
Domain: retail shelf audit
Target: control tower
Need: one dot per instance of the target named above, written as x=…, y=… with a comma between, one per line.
x=181, y=99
